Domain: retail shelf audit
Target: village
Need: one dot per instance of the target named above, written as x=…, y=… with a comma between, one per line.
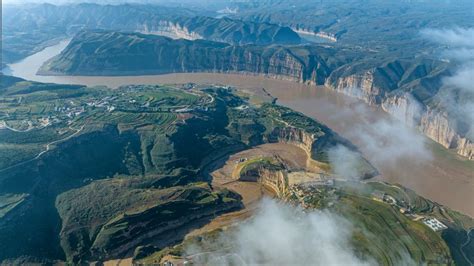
x=128, y=99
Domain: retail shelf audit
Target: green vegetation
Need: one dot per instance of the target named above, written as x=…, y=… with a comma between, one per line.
x=382, y=231
x=27, y=30
x=98, y=164
x=108, y=216
x=236, y=32
x=378, y=73
x=389, y=27
x=9, y=201
x=262, y=162
x=91, y=173
x=151, y=54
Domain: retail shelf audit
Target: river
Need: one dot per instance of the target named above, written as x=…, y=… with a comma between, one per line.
x=401, y=155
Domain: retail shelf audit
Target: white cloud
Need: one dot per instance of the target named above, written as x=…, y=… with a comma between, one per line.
x=387, y=140
x=280, y=234
x=463, y=78
x=459, y=99
x=456, y=37
x=346, y=163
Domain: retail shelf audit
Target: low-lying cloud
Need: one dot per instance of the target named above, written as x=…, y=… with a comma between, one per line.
x=383, y=141
x=459, y=95
x=346, y=163
x=389, y=140
x=280, y=234
x=456, y=37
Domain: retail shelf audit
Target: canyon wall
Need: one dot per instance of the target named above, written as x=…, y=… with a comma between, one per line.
x=321, y=34
x=224, y=30
x=294, y=136
x=434, y=123
x=169, y=29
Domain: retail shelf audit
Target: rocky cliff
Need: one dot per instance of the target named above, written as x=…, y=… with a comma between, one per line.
x=294, y=136
x=148, y=54
x=407, y=94
x=321, y=34
x=276, y=180
x=171, y=30
x=225, y=30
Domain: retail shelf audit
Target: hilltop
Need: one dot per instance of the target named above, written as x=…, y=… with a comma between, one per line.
x=127, y=153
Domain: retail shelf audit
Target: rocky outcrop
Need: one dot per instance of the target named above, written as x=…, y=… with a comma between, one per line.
x=437, y=126
x=224, y=30
x=274, y=180
x=403, y=105
x=270, y=173
x=316, y=147
x=237, y=32
x=360, y=86
x=434, y=123
x=321, y=34
x=294, y=136
x=171, y=30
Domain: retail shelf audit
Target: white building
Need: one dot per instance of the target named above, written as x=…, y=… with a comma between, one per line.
x=434, y=224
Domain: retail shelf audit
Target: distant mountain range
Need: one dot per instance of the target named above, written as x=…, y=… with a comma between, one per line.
x=27, y=30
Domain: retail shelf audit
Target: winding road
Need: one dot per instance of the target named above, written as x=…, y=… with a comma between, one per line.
x=48, y=147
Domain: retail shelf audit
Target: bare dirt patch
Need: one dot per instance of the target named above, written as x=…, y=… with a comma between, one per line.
x=251, y=192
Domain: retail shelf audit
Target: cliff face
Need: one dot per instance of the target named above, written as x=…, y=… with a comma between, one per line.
x=321, y=34
x=236, y=32
x=148, y=54
x=170, y=29
x=360, y=86
x=275, y=180
x=434, y=123
x=405, y=93
x=294, y=136
x=438, y=127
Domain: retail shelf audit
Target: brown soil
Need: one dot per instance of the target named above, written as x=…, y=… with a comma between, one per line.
x=251, y=192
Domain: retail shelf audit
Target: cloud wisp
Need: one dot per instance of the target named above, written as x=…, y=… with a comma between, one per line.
x=458, y=96
x=384, y=140
x=280, y=234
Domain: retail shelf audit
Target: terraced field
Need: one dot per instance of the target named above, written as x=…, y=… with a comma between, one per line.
x=391, y=232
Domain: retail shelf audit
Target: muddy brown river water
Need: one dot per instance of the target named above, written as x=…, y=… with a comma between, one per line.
x=438, y=174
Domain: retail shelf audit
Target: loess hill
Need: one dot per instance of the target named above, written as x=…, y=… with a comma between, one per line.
x=91, y=173
x=28, y=29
